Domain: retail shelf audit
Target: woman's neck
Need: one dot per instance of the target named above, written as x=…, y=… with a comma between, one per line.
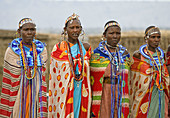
x=73, y=41
x=29, y=45
x=111, y=48
x=151, y=49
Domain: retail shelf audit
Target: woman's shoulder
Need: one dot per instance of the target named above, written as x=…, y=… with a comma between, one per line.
x=126, y=52
x=11, y=57
x=123, y=50
x=137, y=54
x=86, y=45
x=168, y=48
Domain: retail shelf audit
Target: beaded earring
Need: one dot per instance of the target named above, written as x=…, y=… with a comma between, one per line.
x=82, y=34
x=65, y=33
x=103, y=38
x=61, y=36
x=16, y=35
x=146, y=41
x=35, y=36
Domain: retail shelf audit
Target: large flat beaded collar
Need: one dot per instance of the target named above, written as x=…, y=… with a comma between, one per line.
x=141, y=49
x=15, y=46
x=121, y=51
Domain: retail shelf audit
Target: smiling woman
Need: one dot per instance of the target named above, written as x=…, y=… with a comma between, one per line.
x=24, y=87
x=70, y=65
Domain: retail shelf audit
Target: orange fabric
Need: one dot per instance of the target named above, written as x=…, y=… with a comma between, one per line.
x=140, y=87
x=28, y=101
x=63, y=45
x=61, y=90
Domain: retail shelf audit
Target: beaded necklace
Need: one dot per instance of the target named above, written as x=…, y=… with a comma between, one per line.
x=110, y=46
x=115, y=62
x=160, y=87
x=76, y=77
x=157, y=66
x=25, y=62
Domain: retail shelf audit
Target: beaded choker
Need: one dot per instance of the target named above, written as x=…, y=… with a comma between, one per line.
x=15, y=46
x=24, y=61
x=141, y=49
x=158, y=67
x=76, y=77
x=106, y=53
x=114, y=59
x=27, y=43
x=155, y=62
x=110, y=46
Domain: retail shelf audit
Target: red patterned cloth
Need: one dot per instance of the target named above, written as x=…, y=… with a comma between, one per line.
x=168, y=58
x=61, y=85
x=10, y=100
x=144, y=86
x=168, y=66
x=99, y=66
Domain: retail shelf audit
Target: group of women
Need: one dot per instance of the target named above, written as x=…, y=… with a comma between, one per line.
x=82, y=84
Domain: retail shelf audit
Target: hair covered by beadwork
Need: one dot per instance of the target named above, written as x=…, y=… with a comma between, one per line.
x=71, y=18
x=110, y=23
x=152, y=30
x=24, y=21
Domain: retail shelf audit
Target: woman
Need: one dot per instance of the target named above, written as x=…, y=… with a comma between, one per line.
x=168, y=67
x=149, y=79
x=23, y=86
x=109, y=75
x=168, y=59
x=69, y=83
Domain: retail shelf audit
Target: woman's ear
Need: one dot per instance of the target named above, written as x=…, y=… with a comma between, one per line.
x=104, y=35
x=146, y=40
x=65, y=29
x=19, y=32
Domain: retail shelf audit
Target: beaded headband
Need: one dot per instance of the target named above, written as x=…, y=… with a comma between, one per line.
x=71, y=18
x=24, y=21
x=154, y=30
x=111, y=24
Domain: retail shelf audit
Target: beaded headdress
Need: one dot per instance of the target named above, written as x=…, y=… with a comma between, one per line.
x=153, y=30
x=24, y=21
x=111, y=24
x=71, y=18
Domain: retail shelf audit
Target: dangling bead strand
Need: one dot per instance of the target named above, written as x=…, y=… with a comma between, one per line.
x=24, y=58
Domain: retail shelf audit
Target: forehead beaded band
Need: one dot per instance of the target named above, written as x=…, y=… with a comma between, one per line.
x=154, y=30
x=24, y=21
x=111, y=24
x=71, y=18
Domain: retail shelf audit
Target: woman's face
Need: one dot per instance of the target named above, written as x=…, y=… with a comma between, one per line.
x=27, y=32
x=73, y=29
x=154, y=40
x=113, y=35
